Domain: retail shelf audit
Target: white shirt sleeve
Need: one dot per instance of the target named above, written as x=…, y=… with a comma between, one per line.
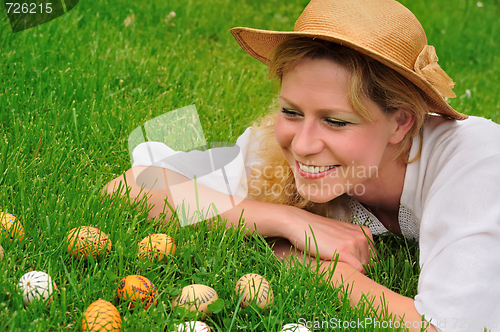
x=454, y=190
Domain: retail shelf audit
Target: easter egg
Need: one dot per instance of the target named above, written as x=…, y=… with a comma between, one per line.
x=36, y=285
x=196, y=298
x=85, y=241
x=101, y=315
x=193, y=326
x=292, y=327
x=2, y=255
x=11, y=228
x=254, y=288
x=137, y=290
x=157, y=246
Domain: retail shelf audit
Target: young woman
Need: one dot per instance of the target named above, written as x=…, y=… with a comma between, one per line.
x=363, y=133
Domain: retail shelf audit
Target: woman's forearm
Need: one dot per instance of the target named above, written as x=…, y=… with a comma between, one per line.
x=361, y=288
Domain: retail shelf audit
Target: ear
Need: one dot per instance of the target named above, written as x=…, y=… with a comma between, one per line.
x=403, y=121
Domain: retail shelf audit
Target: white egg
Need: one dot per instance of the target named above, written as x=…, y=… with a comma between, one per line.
x=292, y=327
x=193, y=326
x=36, y=285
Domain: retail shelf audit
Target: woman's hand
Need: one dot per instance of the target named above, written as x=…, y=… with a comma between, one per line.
x=325, y=238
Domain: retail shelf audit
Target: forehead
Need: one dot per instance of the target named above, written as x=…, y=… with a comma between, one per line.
x=314, y=81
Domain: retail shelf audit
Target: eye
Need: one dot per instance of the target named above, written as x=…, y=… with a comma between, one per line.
x=336, y=123
x=288, y=113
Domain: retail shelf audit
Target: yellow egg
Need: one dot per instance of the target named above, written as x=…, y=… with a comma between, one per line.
x=196, y=298
x=157, y=246
x=85, y=241
x=101, y=316
x=254, y=288
x=137, y=290
x=11, y=228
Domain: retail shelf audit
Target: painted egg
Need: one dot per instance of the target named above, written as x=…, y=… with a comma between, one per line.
x=2, y=253
x=11, y=227
x=36, y=285
x=85, y=241
x=137, y=290
x=254, y=288
x=292, y=327
x=157, y=246
x=196, y=298
x=101, y=315
x=193, y=326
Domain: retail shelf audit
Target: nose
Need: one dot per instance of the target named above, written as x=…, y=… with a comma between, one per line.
x=307, y=141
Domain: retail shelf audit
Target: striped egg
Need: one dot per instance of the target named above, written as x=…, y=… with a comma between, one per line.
x=193, y=326
x=10, y=228
x=157, y=246
x=196, y=297
x=137, y=290
x=2, y=253
x=85, y=241
x=292, y=327
x=254, y=288
x=36, y=285
x=101, y=315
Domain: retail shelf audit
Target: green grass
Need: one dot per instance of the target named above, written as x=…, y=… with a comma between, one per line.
x=72, y=90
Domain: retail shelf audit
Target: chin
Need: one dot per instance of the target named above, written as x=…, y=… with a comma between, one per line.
x=316, y=198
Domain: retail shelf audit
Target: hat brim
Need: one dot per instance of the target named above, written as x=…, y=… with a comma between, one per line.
x=260, y=43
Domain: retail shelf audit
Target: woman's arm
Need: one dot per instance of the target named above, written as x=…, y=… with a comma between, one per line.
x=333, y=237
x=360, y=287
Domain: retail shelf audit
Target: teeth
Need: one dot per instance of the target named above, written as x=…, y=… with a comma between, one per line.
x=312, y=169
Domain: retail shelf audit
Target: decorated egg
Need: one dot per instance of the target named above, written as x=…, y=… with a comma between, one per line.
x=36, y=285
x=137, y=290
x=292, y=327
x=101, y=316
x=157, y=246
x=196, y=298
x=11, y=228
x=193, y=326
x=2, y=254
x=254, y=288
x=85, y=241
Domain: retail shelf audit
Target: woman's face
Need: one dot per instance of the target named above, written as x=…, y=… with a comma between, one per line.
x=331, y=149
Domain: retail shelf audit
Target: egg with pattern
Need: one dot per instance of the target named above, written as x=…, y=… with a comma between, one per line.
x=254, y=288
x=11, y=228
x=196, y=297
x=193, y=326
x=101, y=315
x=158, y=246
x=137, y=290
x=85, y=241
x=36, y=285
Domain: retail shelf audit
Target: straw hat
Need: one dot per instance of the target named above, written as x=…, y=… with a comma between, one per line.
x=384, y=30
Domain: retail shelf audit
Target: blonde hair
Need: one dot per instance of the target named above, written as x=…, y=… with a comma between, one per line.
x=368, y=79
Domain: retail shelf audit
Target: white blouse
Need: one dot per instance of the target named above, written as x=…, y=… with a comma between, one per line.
x=450, y=204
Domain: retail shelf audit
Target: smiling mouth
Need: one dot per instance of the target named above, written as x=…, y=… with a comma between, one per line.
x=315, y=169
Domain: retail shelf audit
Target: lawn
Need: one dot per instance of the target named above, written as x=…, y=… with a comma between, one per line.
x=72, y=91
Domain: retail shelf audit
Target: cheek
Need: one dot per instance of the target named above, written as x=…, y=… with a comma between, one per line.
x=283, y=132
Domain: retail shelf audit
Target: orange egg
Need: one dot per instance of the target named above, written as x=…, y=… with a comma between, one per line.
x=101, y=316
x=137, y=290
x=11, y=228
x=157, y=246
x=85, y=241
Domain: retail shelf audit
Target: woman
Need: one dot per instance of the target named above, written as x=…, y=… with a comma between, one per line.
x=364, y=133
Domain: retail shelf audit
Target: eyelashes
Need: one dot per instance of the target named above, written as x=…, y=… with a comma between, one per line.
x=291, y=114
